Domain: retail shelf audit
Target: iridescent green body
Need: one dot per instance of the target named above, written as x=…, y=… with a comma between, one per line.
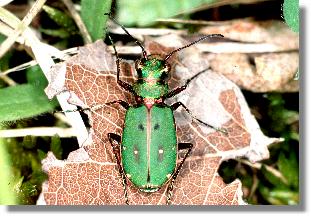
x=147, y=151
x=149, y=144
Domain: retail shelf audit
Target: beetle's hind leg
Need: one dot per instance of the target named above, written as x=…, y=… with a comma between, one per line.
x=115, y=141
x=169, y=190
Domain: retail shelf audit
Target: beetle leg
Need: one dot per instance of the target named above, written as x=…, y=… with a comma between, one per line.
x=115, y=141
x=121, y=83
x=169, y=191
x=124, y=104
x=177, y=90
x=177, y=104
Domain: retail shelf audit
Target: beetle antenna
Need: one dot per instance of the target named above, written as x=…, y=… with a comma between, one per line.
x=136, y=41
x=192, y=43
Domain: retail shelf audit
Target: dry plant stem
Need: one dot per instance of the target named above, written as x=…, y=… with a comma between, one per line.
x=148, y=31
x=45, y=62
x=38, y=131
x=269, y=168
x=31, y=63
x=77, y=18
x=219, y=47
x=135, y=50
x=239, y=47
x=62, y=118
x=5, y=2
x=194, y=22
x=20, y=67
x=7, y=80
x=254, y=185
x=7, y=31
x=5, y=46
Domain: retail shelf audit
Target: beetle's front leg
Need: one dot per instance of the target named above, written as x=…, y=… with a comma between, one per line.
x=121, y=83
x=124, y=104
x=115, y=141
x=177, y=90
x=169, y=190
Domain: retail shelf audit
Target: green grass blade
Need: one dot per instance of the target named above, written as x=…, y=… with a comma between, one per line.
x=61, y=18
x=138, y=12
x=289, y=168
x=92, y=13
x=23, y=101
x=7, y=196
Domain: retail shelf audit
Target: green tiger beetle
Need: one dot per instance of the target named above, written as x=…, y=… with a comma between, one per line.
x=147, y=151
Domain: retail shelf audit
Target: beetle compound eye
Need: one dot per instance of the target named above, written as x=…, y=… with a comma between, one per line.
x=138, y=64
x=165, y=71
x=167, y=68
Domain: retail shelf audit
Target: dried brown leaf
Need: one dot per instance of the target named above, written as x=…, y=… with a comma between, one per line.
x=248, y=30
x=259, y=73
x=90, y=174
x=250, y=67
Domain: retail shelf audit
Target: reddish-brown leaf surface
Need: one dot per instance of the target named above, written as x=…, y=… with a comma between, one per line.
x=90, y=174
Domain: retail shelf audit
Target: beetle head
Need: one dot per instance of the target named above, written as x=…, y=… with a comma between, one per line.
x=152, y=68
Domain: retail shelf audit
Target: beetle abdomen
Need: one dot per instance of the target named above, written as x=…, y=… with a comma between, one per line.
x=149, y=146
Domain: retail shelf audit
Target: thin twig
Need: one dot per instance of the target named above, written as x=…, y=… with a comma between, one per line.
x=38, y=131
x=5, y=46
x=147, y=31
x=272, y=170
x=63, y=56
x=7, y=80
x=194, y=22
x=7, y=31
x=219, y=47
x=62, y=117
x=254, y=185
x=239, y=47
x=4, y=2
